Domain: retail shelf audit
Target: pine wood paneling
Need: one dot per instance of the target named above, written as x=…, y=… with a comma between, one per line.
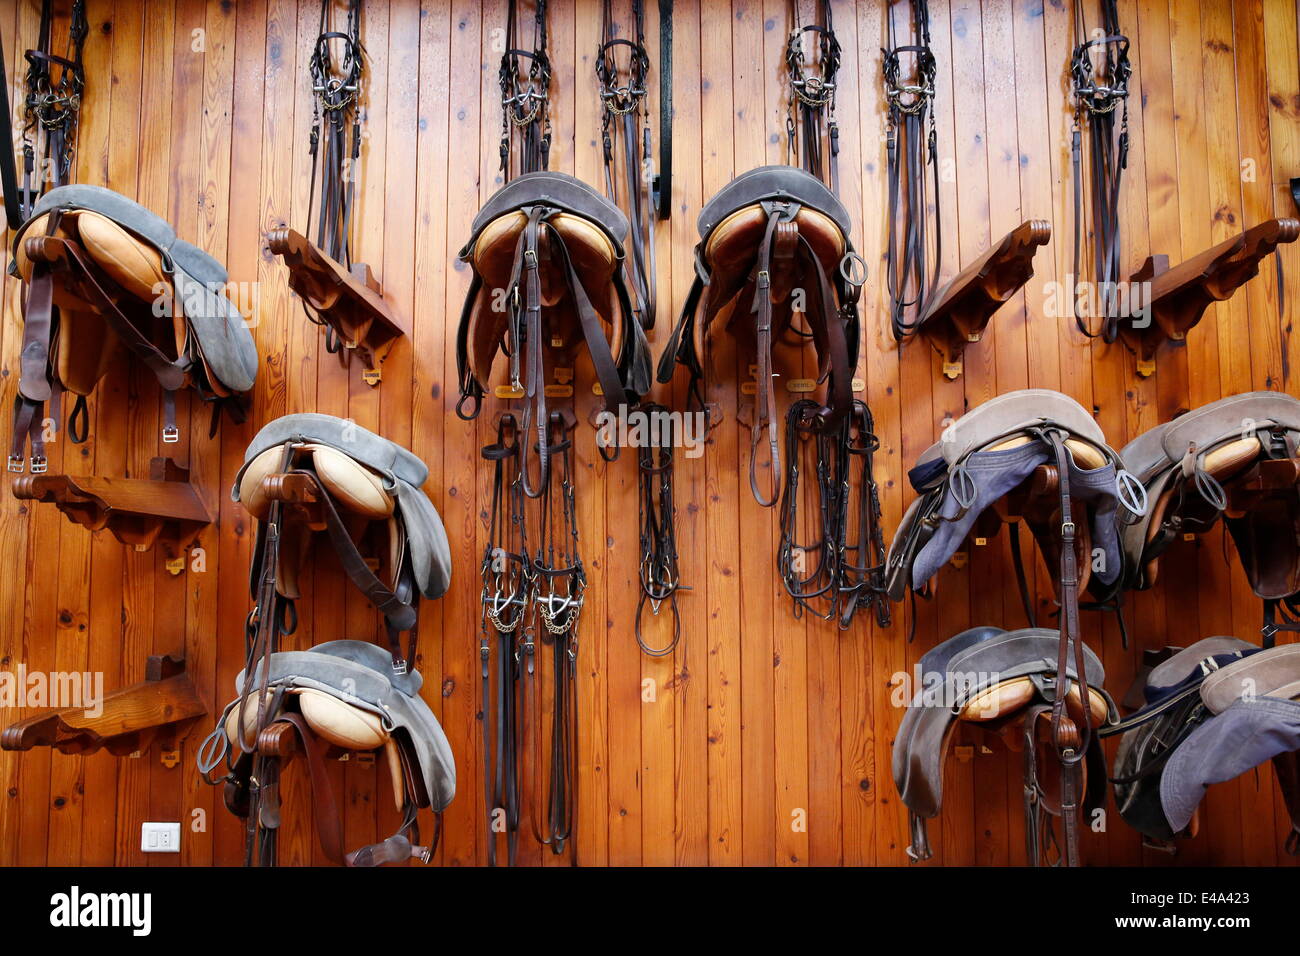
x=764, y=739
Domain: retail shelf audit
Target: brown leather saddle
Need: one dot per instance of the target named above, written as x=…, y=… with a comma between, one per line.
x=547, y=255
x=774, y=243
x=106, y=278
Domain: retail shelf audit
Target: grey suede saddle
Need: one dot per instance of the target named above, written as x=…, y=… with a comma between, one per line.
x=307, y=474
x=104, y=278
x=1001, y=462
x=1235, y=459
x=547, y=254
x=774, y=242
x=1002, y=682
x=1213, y=711
x=341, y=695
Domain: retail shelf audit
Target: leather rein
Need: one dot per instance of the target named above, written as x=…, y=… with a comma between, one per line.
x=812, y=96
x=336, y=79
x=1101, y=105
x=52, y=107
x=625, y=116
x=911, y=141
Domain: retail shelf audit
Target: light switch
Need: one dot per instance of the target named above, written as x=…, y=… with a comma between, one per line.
x=161, y=838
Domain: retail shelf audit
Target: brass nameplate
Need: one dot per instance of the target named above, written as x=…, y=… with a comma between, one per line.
x=801, y=385
x=559, y=391
x=508, y=391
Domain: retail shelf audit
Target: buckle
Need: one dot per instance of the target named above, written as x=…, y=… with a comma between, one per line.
x=15, y=464
x=171, y=434
x=399, y=668
x=1067, y=529
x=425, y=854
x=39, y=465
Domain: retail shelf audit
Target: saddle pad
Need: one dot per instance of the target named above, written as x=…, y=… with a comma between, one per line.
x=400, y=473
x=768, y=183
x=1205, y=428
x=1263, y=674
x=1003, y=416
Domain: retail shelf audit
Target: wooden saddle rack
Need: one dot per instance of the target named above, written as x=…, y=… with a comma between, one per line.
x=163, y=509
x=961, y=310
x=349, y=302
x=1179, y=296
x=163, y=707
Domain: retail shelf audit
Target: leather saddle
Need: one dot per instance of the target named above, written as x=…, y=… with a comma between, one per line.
x=1213, y=711
x=106, y=277
x=1002, y=682
x=547, y=256
x=985, y=470
x=774, y=243
x=1191, y=467
x=337, y=696
x=362, y=492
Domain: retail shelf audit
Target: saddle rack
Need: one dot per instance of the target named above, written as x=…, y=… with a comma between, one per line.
x=162, y=509
x=1265, y=478
x=350, y=303
x=162, y=708
x=1179, y=296
x=962, y=309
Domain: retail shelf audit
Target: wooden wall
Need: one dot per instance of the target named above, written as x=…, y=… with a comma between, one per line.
x=767, y=740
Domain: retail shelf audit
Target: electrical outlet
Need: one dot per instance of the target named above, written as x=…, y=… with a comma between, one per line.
x=160, y=838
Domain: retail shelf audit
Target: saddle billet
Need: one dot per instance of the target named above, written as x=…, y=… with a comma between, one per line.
x=340, y=694
x=547, y=256
x=1213, y=711
x=98, y=267
x=768, y=232
x=995, y=679
x=1216, y=461
x=366, y=477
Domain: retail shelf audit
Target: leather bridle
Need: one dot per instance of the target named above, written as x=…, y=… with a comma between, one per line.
x=1100, y=98
x=526, y=595
x=812, y=96
x=507, y=591
x=911, y=142
x=52, y=107
x=848, y=573
x=525, y=96
x=336, y=79
x=624, y=116
x=659, y=573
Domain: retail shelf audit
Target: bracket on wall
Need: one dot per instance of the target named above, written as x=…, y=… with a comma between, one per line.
x=961, y=310
x=1179, y=296
x=162, y=509
x=350, y=303
x=163, y=708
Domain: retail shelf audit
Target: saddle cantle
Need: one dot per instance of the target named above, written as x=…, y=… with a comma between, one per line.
x=1003, y=682
x=1213, y=711
x=329, y=475
x=771, y=232
x=547, y=258
x=105, y=277
x=1234, y=458
x=340, y=694
x=990, y=453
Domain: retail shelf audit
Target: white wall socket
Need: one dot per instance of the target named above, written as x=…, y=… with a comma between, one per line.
x=160, y=838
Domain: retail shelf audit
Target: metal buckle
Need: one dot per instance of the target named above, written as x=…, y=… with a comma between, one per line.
x=39, y=465
x=399, y=668
x=16, y=464
x=1067, y=528
x=171, y=434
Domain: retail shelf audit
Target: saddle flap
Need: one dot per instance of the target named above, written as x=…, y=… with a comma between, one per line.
x=84, y=348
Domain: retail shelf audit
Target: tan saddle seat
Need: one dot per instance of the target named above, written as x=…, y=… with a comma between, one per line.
x=358, y=493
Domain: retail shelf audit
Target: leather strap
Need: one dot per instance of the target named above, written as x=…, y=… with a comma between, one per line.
x=663, y=182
